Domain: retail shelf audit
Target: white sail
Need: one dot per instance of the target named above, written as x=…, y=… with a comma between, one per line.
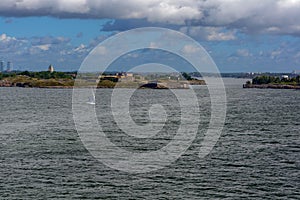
x=92, y=99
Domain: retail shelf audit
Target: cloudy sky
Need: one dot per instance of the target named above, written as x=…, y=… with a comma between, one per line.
x=240, y=35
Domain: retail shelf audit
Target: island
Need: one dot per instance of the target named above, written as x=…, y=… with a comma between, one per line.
x=274, y=82
x=43, y=79
x=53, y=79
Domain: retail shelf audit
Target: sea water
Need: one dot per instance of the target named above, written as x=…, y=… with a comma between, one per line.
x=257, y=155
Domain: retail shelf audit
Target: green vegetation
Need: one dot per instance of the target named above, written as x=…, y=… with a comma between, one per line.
x=276, y=80
x=5, y=75
x=47, y=75
x=106, y=84
x=186, y=76
x=24, y=81
x=37, y=79
x=47, y=79
x=111, y=79
x=40, y=75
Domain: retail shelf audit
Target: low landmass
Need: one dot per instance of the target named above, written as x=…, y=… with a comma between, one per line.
x=42, y=79
x=47, y=79
x=141, y=81
x=274, y=82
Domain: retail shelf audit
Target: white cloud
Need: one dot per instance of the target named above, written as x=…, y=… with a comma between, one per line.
x=44, y=47
x=209, y=33
x=5, y=38
x=220, y=36
x=267, y=16
x=35, y=51
x=81, y=48
x=190, y=49
x=10, y=44
x=36, y=41
x=170, y=11
x=174, y=12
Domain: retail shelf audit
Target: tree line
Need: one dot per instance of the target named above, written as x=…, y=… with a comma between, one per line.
x=259, y=80
x=41, y=75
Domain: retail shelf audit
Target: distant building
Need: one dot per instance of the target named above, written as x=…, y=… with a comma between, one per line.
x=121, y=76
x=129, y=74
x=285, y=76
x=296, y=72
x=124, y=76
x=9, y=66
x=50, y=69
x=1, y=66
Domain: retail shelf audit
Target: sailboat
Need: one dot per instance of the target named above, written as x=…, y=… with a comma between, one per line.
x=92, y=99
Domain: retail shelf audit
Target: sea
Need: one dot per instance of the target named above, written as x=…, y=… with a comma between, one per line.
x=257, y=155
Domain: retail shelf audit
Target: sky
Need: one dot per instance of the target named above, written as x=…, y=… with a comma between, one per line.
x=239, y=35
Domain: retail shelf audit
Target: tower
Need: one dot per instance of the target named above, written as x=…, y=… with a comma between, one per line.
x=9, y=66
x=50, y=69
x=1, y=66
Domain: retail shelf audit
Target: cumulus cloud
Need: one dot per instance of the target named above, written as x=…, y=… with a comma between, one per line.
x=5, y=38
x=209, y=33
x=79, y=50
x=49, y=40
x=268, y=16
x=9, y=43
x=35, y=45
x=44, y=47
x=168, y=11
x=39, y=51
x=255, y=16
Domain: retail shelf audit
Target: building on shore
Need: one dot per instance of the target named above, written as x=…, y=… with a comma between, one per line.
x=285, y=77
x=50, y=69
x=120, y=76
x=9, y=66
x=2, y=66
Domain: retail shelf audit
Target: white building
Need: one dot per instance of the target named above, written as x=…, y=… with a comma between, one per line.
x=285, y=76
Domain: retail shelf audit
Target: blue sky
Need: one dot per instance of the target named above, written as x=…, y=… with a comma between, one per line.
x=246, y=36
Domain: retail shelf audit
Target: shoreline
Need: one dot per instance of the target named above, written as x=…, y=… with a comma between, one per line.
x=63, y=83
x=142, y=86
x=272, y=86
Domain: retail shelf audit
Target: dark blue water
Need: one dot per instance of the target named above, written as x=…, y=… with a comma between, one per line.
x=256, y=157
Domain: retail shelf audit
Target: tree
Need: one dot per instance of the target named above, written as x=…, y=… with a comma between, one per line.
x=186, y=76
x=25, y=73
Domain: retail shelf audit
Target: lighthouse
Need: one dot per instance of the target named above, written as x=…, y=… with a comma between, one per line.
x=50, y=69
